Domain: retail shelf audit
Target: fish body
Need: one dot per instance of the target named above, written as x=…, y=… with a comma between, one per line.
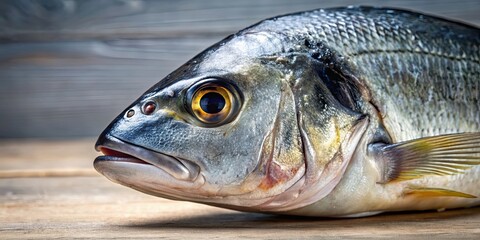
x=331, y=112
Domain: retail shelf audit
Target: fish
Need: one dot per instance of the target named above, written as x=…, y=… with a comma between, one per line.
x=336, y=112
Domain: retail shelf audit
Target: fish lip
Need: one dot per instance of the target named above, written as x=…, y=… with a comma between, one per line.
x=178, y=168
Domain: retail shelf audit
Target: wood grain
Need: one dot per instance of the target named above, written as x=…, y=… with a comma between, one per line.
x=93, y=207
x=67, y=68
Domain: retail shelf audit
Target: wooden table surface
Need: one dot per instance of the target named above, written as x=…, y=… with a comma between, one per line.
x=48, y=189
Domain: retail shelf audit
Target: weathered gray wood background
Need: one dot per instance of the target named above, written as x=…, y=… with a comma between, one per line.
x=68, y=67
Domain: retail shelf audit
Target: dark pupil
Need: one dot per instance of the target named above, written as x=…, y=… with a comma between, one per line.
x=212, y=102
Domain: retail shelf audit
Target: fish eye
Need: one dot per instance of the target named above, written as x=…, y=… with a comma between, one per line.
x=212, y=102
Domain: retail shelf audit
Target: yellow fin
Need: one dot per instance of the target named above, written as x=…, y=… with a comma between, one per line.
x=435, y=192
x=438, y=155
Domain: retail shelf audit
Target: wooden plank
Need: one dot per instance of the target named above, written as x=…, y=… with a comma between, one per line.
x=25, y=20
x=68, y=67
x=93, y=207
x=28, y=154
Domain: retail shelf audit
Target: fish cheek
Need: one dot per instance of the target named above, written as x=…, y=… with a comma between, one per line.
x=282, y=156
x=230, y=152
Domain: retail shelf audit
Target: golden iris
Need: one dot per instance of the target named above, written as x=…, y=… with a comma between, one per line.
x=212, y=103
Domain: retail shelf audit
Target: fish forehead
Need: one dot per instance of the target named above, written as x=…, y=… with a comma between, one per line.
x=235, y=55
x=241, y=50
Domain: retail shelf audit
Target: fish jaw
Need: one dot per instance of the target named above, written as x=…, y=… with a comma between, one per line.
x=179, y=179
x=128, y=165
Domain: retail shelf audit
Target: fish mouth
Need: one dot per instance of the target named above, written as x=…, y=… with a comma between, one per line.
x=118, y=151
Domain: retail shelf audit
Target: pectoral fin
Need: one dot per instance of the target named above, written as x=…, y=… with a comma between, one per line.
x=438, y=155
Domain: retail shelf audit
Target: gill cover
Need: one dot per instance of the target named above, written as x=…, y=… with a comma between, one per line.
x=329, y=128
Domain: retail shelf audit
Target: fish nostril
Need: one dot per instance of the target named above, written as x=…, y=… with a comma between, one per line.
x=130, y=113
x=149, y=107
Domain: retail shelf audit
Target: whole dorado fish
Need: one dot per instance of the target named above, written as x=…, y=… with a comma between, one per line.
x=332, y=112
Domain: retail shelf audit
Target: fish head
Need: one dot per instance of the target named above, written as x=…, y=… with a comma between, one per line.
x=225, y=129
